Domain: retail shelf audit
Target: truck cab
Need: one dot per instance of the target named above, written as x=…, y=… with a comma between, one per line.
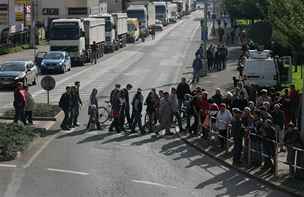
x=110, y=43
x=133, y=29
x=139, y=12
x=161, y=11
x=68, y=35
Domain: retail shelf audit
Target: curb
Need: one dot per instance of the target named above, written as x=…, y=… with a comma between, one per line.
x=268, y=183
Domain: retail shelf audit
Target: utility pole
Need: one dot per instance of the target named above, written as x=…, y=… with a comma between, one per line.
x=204, y=37
x=33, y=26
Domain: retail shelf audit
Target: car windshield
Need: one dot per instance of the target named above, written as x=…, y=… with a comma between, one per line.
x=54, y=56
x=12, y=66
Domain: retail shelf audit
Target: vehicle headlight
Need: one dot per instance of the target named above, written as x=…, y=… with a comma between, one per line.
x=19, y=77
x=42, y=64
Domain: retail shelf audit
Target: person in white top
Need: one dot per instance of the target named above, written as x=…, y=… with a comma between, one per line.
x=223, y=121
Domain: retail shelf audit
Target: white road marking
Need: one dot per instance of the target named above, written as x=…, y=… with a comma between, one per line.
x=32, y=159
x=155, y=184
x=68, y=171
x=8, y=165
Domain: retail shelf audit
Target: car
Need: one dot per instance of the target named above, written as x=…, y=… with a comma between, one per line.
x=12, y=72
x=55, y=62
x=158, y=25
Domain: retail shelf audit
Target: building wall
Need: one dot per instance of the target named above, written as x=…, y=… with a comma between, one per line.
x=114, y=5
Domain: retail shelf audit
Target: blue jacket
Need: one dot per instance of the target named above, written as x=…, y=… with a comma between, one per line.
x=197, y=64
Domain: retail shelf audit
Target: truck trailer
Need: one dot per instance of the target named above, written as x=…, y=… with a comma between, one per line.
x=161, y=10
x=172, y=12
x=76, y=37
x=144, y=11
x=116, y=29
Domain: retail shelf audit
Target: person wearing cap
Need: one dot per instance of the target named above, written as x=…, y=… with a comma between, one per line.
x=263, y=97
x=223, y=120
x=137, y=106
x=78, y=104
x=115, y=103
x=268, y=141
x=278, y=123
x=19, y=103
x=238, y=132
x=127, y=104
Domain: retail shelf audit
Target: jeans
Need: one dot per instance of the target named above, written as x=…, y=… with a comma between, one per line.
x=137, y=121
x=66, y=123
x=127, y=115
x=196, y=76
x=19, y=115
x=237, y=149
x=28, y=116
x=223, y=138
x=179, y=120
x=115, y=124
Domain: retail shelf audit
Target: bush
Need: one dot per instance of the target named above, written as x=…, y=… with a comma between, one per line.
x=40, y=110
x=14, y=138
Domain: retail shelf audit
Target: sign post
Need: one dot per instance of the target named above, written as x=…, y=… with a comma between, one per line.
x=48, y=83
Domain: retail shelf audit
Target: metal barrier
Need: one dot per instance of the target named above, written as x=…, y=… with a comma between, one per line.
x=294, y=165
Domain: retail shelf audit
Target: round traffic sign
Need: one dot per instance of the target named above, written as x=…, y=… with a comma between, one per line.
x=48, y=83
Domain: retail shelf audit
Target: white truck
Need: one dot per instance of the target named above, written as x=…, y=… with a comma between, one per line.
x=76, y=37
x=116, y=30
x=161, y=10
x=172, y=12
x=144, y=11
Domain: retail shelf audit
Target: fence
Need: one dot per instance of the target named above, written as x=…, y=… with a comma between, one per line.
x=256, y=147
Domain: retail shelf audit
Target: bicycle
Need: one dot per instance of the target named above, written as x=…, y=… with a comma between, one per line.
x=105, y=112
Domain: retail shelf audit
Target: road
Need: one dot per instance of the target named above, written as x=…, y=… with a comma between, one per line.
x=103, y=164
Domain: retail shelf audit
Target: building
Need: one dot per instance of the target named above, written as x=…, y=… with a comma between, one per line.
x=52, y=9
x=115, y=6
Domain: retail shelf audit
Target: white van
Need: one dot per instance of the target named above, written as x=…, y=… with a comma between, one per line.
x=260, y=69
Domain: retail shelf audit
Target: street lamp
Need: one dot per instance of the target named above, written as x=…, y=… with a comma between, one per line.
x=33, y=26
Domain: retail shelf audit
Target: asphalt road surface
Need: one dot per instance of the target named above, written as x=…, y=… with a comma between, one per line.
x=103, y=164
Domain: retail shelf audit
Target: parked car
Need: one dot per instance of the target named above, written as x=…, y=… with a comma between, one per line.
x=55, y=62
x=13, y=72
x=158, y=25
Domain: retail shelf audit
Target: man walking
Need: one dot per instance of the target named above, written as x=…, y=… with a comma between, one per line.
x=210, y=58
x=19, y=103
x=78, y=104
x=137, y=106
x=127, y=104
x=66, y=106
x=115, y=102
x=94, y=53
x=197, y=66
x=29, y=106
x=182, y=89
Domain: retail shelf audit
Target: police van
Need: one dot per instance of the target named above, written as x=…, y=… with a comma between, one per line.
x=261, y=69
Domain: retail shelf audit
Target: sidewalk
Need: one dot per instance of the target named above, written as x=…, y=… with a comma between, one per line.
x=27, y=54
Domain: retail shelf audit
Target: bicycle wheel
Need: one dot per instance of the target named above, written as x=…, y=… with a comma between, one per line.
x=103, y=115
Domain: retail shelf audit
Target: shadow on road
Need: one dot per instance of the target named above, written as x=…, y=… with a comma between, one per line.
x=95, y=138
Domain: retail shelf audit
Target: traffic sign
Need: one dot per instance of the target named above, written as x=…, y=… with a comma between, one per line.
x=48, y=83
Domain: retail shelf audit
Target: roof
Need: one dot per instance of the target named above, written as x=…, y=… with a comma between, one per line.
x=67, y=20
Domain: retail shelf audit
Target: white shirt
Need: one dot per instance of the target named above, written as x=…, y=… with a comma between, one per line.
x=223, y=119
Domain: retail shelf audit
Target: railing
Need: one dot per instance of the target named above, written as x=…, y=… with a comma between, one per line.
x=250, y=149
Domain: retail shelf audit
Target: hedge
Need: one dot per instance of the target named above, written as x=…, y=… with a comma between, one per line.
x=40, y=110
x=14, y=138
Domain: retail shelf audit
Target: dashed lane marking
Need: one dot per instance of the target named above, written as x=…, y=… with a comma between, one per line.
x=8, y=165
x=155, y=184
x=68, y=171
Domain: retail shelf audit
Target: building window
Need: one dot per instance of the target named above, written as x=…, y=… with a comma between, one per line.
x=77, y=11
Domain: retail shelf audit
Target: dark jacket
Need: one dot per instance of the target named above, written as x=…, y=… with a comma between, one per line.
x=137, y=103
x=127, y=97
x=182, y=90
x=237, y=129
x=19, y=100
x=197, y=64
x=78, y=99
x=114, y=99
x=218, y=99
x=278, y=118
x=65, y=102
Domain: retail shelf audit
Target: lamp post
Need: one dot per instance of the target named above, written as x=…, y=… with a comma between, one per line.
x=33, y=26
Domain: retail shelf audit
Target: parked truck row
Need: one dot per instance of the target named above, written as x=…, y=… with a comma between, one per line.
x=109, y=32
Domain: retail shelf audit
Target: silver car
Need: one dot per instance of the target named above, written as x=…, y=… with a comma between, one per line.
x=13, y=72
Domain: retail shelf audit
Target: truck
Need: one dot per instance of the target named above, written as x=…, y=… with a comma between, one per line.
x=116, y=30
x=172, y=12
x=76, y=36
x=161, y=11
x=144, y=11
x=133, y=29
